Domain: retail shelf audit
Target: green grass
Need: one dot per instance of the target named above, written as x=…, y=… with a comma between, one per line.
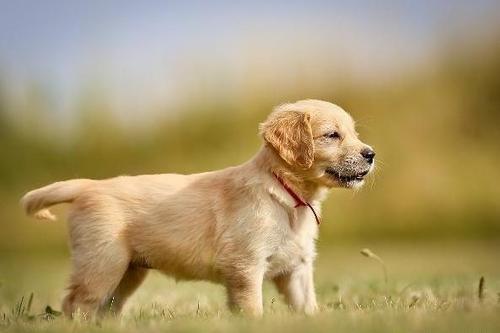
x=431, y=287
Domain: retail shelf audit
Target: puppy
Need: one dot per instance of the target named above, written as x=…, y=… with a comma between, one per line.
x=236, y=226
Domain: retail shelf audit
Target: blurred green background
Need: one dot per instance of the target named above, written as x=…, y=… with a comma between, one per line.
x=102, y=89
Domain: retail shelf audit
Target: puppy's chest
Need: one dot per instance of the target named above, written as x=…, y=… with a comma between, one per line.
x=288, y=252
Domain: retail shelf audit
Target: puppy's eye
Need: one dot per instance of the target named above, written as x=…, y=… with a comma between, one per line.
x=332, y=135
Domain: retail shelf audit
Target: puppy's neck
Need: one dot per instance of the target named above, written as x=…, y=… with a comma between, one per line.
x=268, y=161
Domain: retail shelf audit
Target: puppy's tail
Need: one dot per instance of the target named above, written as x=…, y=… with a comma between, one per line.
x=36, y=202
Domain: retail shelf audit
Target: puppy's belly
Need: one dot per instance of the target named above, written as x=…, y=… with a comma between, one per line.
x=179, y=245
x=178, y=266
x=174, y=253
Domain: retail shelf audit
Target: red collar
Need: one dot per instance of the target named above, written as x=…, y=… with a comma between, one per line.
x=298, y=200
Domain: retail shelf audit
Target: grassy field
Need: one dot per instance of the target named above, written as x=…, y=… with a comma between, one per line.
x=431, y=287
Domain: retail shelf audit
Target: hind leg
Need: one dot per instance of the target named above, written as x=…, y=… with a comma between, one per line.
x=97, y=272
x=99, y=251
x=129, y=283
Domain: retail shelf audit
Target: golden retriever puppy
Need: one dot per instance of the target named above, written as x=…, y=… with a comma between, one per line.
x=236, y=226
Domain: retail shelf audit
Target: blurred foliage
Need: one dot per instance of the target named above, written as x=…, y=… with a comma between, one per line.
x=435, y=129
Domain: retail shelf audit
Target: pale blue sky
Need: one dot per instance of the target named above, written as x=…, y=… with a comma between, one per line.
x=146, y=46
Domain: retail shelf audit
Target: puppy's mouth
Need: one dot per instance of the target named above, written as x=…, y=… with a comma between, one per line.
x=347, y=179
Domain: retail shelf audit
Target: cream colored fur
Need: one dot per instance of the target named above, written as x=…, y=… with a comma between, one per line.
x=236, y=226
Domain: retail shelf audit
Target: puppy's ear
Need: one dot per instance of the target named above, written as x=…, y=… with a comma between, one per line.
x=290, y=134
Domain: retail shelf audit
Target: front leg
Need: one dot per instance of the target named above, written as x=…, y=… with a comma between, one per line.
x=244, y=291
x=298, y=288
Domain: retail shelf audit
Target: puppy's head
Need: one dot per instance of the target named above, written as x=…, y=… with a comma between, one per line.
x=318, y=141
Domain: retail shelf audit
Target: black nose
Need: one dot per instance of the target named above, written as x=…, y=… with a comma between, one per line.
x=368, y=154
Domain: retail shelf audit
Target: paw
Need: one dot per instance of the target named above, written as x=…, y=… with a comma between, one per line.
x=311, y=309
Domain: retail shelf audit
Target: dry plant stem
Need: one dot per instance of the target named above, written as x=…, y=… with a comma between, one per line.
x=369, y=254
x=480, y=289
